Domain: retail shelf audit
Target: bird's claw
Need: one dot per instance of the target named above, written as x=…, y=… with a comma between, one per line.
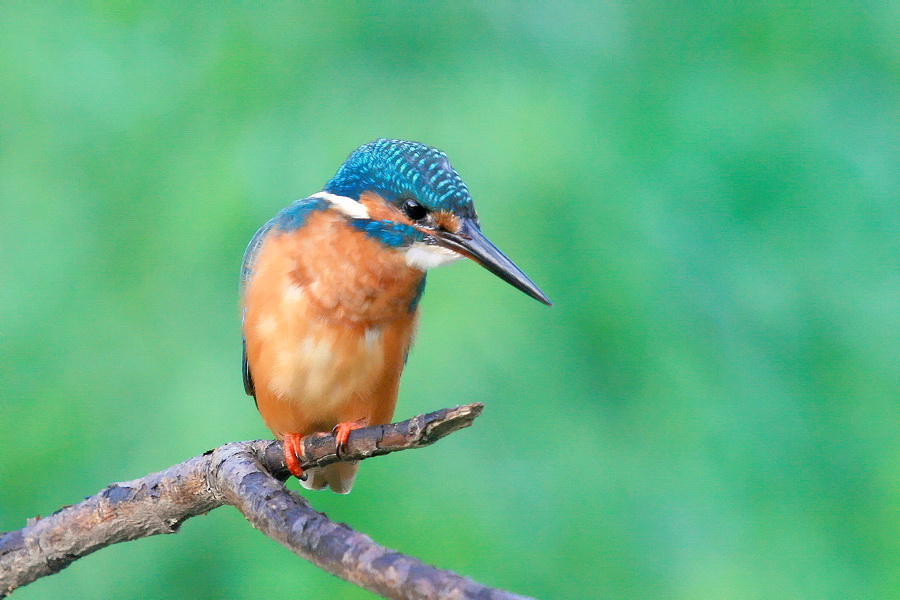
x=341, y=433
x=293, y=450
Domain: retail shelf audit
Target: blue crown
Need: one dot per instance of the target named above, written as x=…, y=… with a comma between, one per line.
x=397, y=170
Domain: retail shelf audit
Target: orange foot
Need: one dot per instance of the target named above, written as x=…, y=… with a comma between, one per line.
x=293, y=450
x=341, y=433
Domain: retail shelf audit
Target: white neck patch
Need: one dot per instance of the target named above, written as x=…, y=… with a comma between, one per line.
x=347, y=206
x=426, y=256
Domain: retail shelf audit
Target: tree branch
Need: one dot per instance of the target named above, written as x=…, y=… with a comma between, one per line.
x=248, y=476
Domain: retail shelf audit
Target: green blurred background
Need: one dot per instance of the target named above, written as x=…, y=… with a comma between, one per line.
x=708, y=192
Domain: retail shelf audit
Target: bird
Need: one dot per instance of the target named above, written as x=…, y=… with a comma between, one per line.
x=330, y=291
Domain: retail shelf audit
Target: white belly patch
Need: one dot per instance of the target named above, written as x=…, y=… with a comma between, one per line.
x=327, y=368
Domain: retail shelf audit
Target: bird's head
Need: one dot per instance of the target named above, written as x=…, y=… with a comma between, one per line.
x=414, y=185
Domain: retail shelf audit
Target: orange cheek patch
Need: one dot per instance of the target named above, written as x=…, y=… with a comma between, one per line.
x=380, y=210
x=447, y=220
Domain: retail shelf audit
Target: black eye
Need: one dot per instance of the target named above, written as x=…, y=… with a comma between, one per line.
x=414, y=210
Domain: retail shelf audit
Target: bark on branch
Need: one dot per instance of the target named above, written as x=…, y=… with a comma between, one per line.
x=248, y=476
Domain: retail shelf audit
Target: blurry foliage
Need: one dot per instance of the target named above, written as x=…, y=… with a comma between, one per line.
x=708, y=192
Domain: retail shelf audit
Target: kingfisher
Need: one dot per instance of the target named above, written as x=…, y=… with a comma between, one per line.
x=330, y=291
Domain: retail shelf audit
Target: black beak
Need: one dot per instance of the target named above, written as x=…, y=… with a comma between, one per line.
x=470, y=242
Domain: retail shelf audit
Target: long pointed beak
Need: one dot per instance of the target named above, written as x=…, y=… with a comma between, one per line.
x=470, y=242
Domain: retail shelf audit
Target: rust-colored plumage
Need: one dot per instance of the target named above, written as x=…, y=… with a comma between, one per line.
x=327, y=327
x=331, y=288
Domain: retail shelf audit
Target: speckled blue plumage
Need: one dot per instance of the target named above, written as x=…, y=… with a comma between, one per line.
x=396, y=169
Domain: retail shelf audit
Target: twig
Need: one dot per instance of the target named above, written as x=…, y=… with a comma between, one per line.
x=248, y=476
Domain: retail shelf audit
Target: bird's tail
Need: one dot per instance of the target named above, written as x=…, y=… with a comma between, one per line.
x=338, y=476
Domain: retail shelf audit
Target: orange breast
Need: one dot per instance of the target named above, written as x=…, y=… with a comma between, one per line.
x=328, y=325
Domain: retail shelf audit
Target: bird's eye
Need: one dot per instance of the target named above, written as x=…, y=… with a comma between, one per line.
x=414, y=210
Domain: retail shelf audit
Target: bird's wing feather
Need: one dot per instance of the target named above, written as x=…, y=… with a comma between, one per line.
x=246, y=274
x=245, y=370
